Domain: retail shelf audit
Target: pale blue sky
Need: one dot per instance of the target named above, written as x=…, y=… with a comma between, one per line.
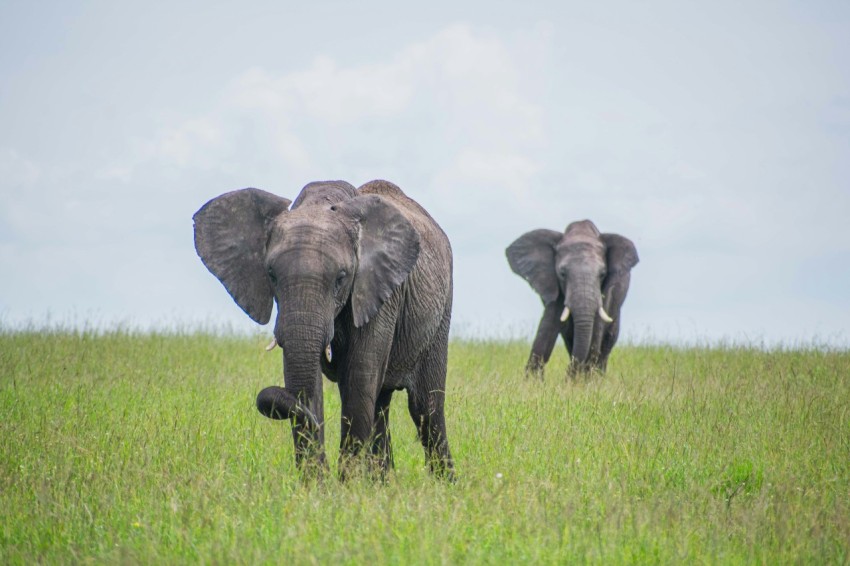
x=714, y=135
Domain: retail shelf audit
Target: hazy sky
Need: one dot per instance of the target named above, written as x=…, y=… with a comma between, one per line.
x=715, y=135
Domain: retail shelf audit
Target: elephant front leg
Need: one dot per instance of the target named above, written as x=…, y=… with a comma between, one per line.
x=609, y=339
x=357, y=423
x=365, y=406
x=309, y=435
x=567, y=332
x=615, y=296
x=544, y=342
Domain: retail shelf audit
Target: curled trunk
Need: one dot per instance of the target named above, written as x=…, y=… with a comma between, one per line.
x=277, y=403
x=302, y=331
x=303, y=346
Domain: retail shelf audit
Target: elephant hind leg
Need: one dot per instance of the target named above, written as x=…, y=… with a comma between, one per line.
x=428, y=416
x=426, y=401
x=382, y=450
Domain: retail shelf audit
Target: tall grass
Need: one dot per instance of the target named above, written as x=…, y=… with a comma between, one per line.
x=147, y=448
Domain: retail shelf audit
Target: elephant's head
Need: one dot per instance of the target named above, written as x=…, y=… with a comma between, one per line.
x=332, y=251
x=578, y=267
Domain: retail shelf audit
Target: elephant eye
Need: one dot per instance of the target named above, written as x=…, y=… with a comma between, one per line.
x=272, y=275
x=340, y=278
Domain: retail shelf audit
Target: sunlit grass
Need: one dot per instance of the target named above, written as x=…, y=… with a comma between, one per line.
x=146, y=448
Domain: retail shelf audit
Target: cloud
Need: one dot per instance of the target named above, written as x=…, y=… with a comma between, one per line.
x=17, y=171
x=455, y=102
x=451, y=118
x=723, y=161
x=191, y=143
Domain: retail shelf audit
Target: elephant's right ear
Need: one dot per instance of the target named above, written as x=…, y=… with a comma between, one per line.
x=532, y=257
x=230, y=237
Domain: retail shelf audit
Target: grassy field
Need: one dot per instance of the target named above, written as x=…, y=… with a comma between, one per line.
x=137, y=448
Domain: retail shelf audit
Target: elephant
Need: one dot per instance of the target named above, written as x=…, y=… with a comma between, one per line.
x=582, y=277
x=362, y=279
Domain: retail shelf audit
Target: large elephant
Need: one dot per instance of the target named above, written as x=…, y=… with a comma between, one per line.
x=582, y=276
x=363, y=284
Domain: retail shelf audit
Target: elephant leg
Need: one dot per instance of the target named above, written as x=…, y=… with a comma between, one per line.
x=609, y=339
x=309, y=445
x=426, y=410
x=358, y=414
x=359, y=388
x=382, y=450
x=594, y=360
x=567, y=335
x=544, y=342
x=615, y=296
x=426, y=401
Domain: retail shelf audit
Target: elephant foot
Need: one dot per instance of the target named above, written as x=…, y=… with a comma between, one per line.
x=536, y=374
x=534, y=367
x=363, y=465
x=584, y=371
x=444, y=470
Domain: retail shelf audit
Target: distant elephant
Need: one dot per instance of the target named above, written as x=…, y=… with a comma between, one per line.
x=363, y=284
x=582, y=277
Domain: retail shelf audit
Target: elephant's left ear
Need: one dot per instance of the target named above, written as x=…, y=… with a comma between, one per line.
x=388, y=251
x=621, y=254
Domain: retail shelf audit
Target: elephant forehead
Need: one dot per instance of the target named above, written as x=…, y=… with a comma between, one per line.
x=582, y=227
x=323, y=193
x=311, y=226
x=580, y=246
x=310, y=218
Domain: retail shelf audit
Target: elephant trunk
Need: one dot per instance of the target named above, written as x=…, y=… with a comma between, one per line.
x=304, y=333
x=584, y=302
x=583, y=332
x=304, y=337
x=302, y=374
x=277, y=403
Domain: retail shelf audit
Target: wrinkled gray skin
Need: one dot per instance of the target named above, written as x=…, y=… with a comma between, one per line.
x=583, y=270
x=367, y=272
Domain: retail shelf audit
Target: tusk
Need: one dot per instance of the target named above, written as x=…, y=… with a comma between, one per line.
x=604, y=315
x=271, y=345
x=566, y=314
x=328, y=354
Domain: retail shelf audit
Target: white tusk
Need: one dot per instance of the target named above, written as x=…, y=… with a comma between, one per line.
x=604, y=315
x=271, y=345
x=328, y=354
x=566, y=314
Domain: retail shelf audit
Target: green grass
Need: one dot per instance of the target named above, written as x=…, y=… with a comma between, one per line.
x=145, y=448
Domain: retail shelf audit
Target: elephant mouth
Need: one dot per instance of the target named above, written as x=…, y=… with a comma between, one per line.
x=328, y=351
x=601, y=312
